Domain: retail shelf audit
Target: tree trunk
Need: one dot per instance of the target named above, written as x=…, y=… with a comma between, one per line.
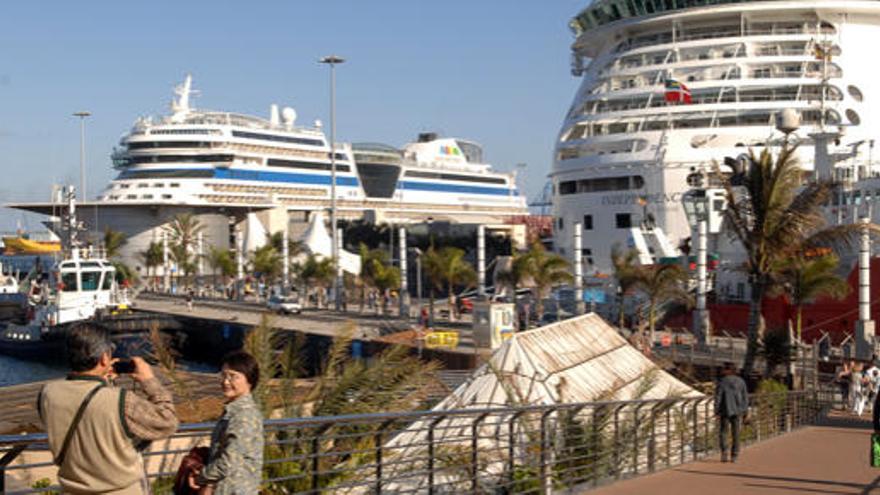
x=620, y=312
x=756, y=324
x=431, y=305
x=652, y=309
x=800, y=311
x=451, y=302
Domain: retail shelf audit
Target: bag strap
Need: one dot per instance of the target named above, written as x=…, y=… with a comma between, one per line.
x=76, y=419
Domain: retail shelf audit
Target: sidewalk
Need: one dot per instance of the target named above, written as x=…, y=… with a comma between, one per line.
x=830, y=459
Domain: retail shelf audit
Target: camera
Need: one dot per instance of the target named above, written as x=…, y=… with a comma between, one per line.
x=123, y=367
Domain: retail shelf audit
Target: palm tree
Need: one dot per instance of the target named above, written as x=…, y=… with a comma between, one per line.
x=660, y=284
x=447, y=268
x=516, y=276
x=267, y=262
x=625, y=268
x=317, y=272
x=774, y=216
x=385, y=277
x=370, y=259
x=220, y=260
x=113, y=242
x=805, y=279
x=183, y=232
x=546, y=271
x=152, y=257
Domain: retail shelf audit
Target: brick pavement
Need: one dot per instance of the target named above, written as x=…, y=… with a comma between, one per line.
x=828, y=459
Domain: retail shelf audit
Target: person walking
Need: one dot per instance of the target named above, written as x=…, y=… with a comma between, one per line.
x=95, y=430
x=731, y=406
x=235, y=460
x=856, y=389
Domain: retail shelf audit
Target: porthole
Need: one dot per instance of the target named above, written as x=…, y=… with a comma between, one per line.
x=853, y=117
x=855, y=92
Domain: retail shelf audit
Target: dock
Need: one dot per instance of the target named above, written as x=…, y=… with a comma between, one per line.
x=327, y=323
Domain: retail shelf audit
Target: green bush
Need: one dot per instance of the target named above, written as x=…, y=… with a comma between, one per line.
x=44, y=483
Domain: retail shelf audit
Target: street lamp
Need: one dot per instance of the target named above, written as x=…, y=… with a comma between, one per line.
x=698, y=207
x=82, y=151
x=332, y=61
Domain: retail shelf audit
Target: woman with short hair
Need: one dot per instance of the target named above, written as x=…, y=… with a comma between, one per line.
x=235, y=461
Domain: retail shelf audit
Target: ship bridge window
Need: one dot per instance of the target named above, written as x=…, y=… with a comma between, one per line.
x=184, y=131
x=69, y=282
x=604, y=184
x=472, y=151
x=134, y=160
x=274, y=162
x=467, y=178
x=90, y=280
x=276, y=138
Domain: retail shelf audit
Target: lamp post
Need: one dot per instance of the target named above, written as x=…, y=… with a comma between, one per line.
x=419, y=278
x=696, y=207
x=332, y=61
x=82, y=151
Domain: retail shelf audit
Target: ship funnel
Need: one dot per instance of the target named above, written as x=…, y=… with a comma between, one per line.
x=274, y=116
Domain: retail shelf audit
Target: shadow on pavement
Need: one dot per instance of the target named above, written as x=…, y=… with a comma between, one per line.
x=866, y=489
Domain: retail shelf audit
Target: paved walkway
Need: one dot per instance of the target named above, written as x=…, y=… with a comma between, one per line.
x=829, y=459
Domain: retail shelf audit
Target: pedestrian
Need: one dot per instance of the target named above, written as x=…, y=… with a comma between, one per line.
x=95, y=430
x=731, y=407
x=857, y=389
x=843, y=379
x=235, y=460
x=189, y=300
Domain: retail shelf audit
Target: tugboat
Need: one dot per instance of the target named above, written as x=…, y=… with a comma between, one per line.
x=81, y=287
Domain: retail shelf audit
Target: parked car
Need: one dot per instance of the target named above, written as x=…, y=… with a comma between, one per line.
x=284, y=305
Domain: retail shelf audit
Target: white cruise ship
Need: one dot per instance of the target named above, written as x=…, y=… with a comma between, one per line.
x=252, y=175
x=624, y=153
x=204, y=158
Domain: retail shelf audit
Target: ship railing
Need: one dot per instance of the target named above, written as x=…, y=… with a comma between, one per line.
x=659, y=41
x=498, y=449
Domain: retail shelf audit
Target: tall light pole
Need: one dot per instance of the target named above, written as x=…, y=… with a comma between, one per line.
x=332, y=60
x=82, y=151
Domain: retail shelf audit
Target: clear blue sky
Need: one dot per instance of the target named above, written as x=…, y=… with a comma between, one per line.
x=493, y=71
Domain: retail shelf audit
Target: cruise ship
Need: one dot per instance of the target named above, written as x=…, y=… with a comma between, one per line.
x=672, y=87
x=231, y=169
x=218, y=158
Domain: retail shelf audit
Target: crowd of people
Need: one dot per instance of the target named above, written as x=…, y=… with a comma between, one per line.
x=97, y=430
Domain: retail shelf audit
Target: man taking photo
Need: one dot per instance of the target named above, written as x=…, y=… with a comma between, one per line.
x=93, y=427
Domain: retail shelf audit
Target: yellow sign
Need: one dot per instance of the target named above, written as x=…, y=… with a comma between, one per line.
x=448, y=340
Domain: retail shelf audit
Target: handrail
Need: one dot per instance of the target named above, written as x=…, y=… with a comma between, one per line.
x=411, y=451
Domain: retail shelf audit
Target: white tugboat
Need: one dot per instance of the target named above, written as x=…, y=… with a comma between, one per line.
x=79, y=288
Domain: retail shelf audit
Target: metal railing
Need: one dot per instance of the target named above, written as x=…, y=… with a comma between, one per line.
x=531, y=449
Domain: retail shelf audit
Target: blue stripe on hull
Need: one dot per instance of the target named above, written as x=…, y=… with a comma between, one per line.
x=341, y=180
x=283, y=177
x=453, y=188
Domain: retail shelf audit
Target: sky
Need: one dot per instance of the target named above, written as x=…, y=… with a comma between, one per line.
x=492, y=71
